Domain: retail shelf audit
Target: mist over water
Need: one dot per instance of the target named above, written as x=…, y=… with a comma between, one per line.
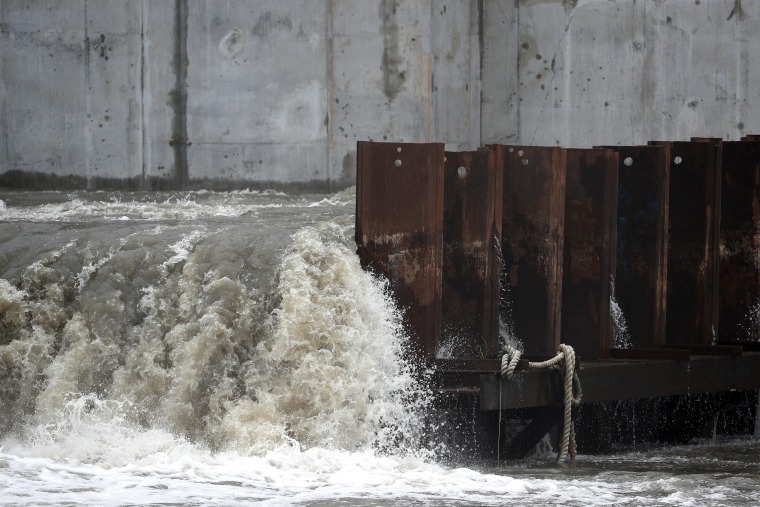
x=197, y=348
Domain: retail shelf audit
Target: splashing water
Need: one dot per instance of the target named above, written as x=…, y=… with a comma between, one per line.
x=621, y=337
x=750, y=327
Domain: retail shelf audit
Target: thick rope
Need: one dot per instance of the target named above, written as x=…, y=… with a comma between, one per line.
x=572, y=388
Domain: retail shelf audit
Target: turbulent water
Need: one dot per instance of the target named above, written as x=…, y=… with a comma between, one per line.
x=227, y=348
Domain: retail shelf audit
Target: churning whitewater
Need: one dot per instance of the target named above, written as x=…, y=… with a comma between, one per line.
x=232, y=335
x=200, y=348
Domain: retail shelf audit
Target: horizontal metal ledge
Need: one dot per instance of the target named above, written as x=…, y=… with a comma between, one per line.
x=708, y=350
x=623, y=380
x=746, y=346
x=661, y=354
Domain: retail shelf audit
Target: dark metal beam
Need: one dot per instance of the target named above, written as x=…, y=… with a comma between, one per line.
x=589, y=251
x=399, y=229
x=471, y=262
x=739, y=282
x=620, y=380
x=658, y=354
x=533, y=218
x=693, y=225
x=707, y=350
x=642, y=246
x=527, y=438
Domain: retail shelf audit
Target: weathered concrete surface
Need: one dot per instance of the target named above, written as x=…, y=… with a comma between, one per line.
x=585, y=72
x=234, y=93
x=69, y=88
x=231, y=93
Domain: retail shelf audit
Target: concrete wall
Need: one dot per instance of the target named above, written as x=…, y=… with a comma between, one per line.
x=595, y=72
x=275, y=93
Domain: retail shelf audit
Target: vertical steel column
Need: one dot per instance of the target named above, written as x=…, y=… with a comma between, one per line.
x=739, y=282
x=693, y=224
x=642, y=246
x=471, y=261
x=399, y=229
x=533, y=218
x=589, y=251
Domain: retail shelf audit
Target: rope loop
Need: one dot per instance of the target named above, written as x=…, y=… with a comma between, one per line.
x=509, y=360
x=564, y=361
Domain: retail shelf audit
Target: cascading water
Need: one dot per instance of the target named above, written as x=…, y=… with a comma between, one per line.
x=198, y=348
x=228, y=333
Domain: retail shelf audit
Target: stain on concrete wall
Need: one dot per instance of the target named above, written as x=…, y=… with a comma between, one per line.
x=394, y=76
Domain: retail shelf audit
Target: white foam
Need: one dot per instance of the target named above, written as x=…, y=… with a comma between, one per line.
x=179, y=206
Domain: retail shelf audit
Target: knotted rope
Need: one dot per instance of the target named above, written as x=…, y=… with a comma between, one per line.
x=573, y=392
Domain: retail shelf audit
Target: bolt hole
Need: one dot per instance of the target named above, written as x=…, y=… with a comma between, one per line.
x=398, y=149
x=462, y=171
x=524, y=161
x=511, y=150
x=520, y=153
x=677, y=160
x=398, y=163
x=628, y=161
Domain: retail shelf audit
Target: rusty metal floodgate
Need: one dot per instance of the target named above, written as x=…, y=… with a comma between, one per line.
x=399, y=229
